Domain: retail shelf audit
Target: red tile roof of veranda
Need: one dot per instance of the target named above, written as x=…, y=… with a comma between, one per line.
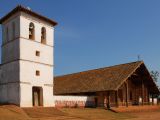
x=20, y=8
x=102, y=79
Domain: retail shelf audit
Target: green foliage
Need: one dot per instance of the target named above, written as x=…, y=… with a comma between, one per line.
x=155, y=75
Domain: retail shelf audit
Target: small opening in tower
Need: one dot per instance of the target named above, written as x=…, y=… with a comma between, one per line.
x=43, y=35
x=31, y=31
x=37, y=53
x=37, y=73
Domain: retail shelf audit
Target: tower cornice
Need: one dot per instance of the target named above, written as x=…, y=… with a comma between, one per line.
x=20, y=8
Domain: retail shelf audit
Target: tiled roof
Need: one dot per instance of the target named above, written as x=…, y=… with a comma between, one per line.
x=102, y=79
x=30, y=12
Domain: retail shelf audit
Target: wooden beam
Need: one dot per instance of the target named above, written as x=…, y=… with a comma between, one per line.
x=142, y=92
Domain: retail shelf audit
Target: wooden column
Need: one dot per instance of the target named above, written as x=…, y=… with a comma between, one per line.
x=152, y=100
x=105, y=101
x=116, y=98
x=148, y=97
x=126, y=84
x=142, y=92
x=108, y=100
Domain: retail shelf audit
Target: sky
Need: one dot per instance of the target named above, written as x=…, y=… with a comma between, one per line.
x=98, y=33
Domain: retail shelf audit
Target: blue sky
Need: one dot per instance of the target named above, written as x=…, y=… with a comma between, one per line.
x=99, y=33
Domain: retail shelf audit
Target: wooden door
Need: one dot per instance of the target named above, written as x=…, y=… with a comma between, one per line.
x=36, y=97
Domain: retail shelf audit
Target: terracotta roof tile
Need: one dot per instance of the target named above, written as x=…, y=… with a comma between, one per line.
x=102, y=79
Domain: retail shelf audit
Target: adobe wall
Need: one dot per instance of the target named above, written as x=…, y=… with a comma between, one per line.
x=74, y=101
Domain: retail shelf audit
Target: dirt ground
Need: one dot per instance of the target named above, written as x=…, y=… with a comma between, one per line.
x=146, y=115
x=15, y=113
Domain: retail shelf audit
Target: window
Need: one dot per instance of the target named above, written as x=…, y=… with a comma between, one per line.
x=43, y=35
x=37, y=73
x=31, y=31
x=37, y=53
x=13, y=30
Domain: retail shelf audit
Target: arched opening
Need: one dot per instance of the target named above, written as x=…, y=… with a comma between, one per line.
x=43, y=35
x=31, y=31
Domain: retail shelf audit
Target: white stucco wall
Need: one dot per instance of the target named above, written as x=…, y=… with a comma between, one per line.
x=26, y=99
x=13, y=93
x=8, y=24
x=74, y=101
x=25, y=20
x=3, y=94
x=20, y=61
x=28, y=50
x=73, y=98
x=26, y=95
x=9, y=83
x=10, y=72
x=28, y=73
x=48, y=98
x=29, y=62
x=9, y=77
x=10, y=51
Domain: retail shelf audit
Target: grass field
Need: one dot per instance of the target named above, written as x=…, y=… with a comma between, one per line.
x=15, y=113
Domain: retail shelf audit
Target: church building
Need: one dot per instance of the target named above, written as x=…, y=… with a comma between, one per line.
x=119, y=85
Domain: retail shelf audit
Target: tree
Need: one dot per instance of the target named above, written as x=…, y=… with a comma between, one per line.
x=155, y=75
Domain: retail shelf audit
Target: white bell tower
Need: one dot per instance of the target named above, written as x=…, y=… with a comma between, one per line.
x=26, y=72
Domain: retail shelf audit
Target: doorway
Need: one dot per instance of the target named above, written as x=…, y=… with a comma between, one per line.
x=37, y=94
x=96, y=101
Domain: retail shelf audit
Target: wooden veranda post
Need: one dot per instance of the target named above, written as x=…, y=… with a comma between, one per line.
x=126, y=84
x=108, y=100
x=116, y=98
x=148, y=97
x=142, y=92
x=152, y=100
x=105, y=101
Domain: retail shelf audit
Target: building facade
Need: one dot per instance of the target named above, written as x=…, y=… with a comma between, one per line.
x=27, y=59
x=120, y=85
